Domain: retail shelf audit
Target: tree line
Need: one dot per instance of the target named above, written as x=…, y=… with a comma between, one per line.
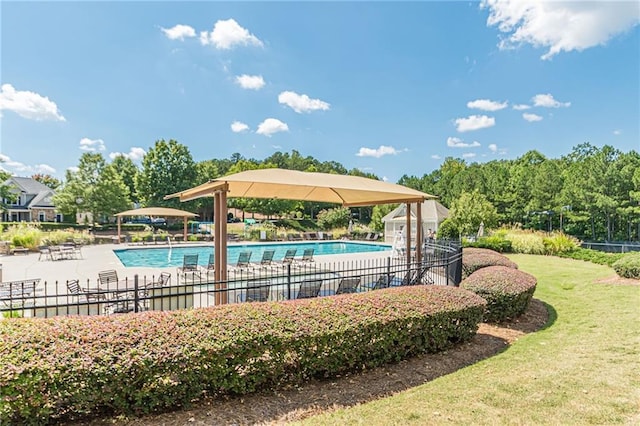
x=592, y=193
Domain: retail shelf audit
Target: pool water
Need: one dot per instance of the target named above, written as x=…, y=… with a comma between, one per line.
x=164, y=257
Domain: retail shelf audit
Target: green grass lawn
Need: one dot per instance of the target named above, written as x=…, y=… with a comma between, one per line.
x=583, y=368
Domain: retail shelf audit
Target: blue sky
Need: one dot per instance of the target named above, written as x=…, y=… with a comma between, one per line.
x=389, y=88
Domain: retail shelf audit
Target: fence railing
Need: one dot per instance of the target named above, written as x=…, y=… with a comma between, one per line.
x=612, y=247
x=441, y=265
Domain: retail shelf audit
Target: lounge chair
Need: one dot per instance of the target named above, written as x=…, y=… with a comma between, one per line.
x=267, y=258
x=14, y=294
x=44, y=251
x=289, y=257
x=146, y=292
x=243, y=260
x=258, y=291
x=309, y=289
x=348, y=285
x=307, y=256
x=189, y=266
x=383, y=281
x=211, y=266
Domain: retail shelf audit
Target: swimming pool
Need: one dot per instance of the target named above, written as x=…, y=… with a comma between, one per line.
x=164, y=257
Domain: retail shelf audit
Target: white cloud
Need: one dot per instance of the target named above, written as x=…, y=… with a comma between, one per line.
x=385, y=179
x=276, y=146
x=302, y=103
x=468, y=155
x=617, y=132
x=560, y=26
x=18, y=167
x=254, y=82
x=271, y=126
x=487, y=105
x=134, y=154
x=453, y=142
x=377, y=152
x=547, y=101
x=436, y=157
x=493, y=147
x=239, y=127
x=28, y=104
x=229, y=34
x=531, y=117
x=474, y=122
x=521, y=107
x=179, y=32
x=73, y=169
x=92, y=145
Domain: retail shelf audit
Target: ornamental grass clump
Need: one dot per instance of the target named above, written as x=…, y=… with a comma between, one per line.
x=477, y=258
x=507, y=291
x=67, y=368
x=628, y=266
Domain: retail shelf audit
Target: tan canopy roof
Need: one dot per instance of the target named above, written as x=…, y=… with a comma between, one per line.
x=306, y=186
x=157, y=211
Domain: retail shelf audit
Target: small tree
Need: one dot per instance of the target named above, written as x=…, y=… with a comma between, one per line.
x=470, y=210
x=334, y=218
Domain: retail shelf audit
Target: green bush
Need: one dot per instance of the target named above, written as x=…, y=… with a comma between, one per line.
x=528, y=242
x=477, y=258
x=559, y=242
x=448, y=231
x=493, y=242
x=507, y=291
x=593, y=256
x=628, y=266
x=69, y=367
x=333, y=218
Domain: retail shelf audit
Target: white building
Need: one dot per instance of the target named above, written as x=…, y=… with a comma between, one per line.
x=433, y=213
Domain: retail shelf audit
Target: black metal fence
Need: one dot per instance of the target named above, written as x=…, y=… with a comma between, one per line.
x=441, y=265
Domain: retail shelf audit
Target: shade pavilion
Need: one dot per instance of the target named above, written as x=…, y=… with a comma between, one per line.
x=348, y=191
x=157, y=211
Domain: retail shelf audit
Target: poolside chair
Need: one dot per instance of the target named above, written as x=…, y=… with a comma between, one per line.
x=243, y=260
x=257, y=291
x=44, y=251
x=267, y=258
x=309, y=289
x=106, y=277
x=84, y=294
x=289, y=256
x=16, y=294
x=189, y=266
x=146, y=292
x=307, y=256
x=211, y=266
x=348, y=285
x=383, y=281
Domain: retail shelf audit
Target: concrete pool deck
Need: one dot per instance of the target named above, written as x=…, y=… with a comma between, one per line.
x=96, y=258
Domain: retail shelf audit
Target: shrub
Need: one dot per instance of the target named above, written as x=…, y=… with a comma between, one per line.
x=628, y=266
x=559, y=242
x=493, y=242
x=593, y=256
x=507, y=291
x=68, y=367
x=527, y=242
x=477, y=258
x=333, y=218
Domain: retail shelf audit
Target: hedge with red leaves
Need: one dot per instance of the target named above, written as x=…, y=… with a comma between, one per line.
x=507, y=291
x=477, y=258
x=72, y=367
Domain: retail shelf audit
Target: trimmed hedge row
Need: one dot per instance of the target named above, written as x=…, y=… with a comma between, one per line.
x=593, y=256
x=477, y=258
x=70, y=367
x=628, y=266
x=507, y=291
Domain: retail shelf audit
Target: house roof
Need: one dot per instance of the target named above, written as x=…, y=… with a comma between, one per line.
x=432, y=211
x=27, y=185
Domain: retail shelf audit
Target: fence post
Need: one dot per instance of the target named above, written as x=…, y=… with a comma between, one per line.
x=389, y=271
x=289, y=281
x=136, y=296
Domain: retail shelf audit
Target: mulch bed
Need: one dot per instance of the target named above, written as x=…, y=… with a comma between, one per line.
x=282, y=406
